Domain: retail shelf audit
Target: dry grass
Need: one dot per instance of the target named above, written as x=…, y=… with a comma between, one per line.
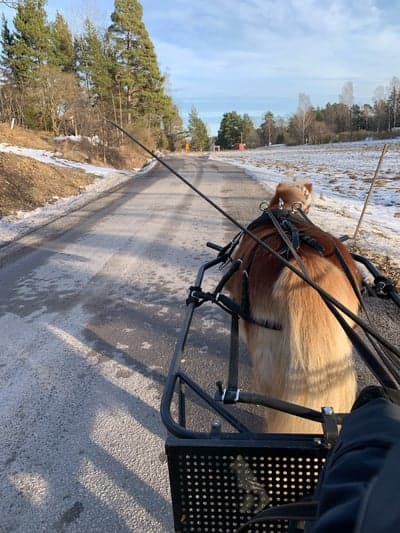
x=26, y=138
x=26, y=183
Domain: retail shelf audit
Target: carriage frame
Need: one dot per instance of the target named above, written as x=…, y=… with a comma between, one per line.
x=236, y=480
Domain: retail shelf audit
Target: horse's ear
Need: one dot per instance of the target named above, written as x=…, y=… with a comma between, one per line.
x=308, y=186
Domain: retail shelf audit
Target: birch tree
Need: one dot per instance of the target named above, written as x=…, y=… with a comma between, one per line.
x=347, y=99
x=301, y=123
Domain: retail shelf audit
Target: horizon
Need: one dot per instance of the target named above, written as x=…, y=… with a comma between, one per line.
x=260, y=55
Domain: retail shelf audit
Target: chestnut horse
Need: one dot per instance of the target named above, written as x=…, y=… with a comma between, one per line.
x=309, y=360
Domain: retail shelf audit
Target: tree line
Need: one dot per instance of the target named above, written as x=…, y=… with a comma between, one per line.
x=65, y=84
x=340, y=121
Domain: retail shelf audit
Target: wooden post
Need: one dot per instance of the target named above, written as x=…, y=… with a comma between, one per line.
x=384, y=150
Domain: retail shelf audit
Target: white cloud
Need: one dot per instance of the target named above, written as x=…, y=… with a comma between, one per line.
x=269, y=48
x=268, y=51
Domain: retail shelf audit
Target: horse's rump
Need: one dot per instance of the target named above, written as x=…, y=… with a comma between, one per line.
x=309, y=360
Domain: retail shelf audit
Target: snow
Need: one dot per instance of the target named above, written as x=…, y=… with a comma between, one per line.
x=341, y=175
x=14, y=226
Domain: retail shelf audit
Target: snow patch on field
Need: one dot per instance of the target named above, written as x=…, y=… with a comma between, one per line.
x=341, y=175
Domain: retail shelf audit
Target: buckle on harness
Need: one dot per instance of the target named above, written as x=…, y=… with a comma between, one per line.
x=330, y=426
x=230, y=396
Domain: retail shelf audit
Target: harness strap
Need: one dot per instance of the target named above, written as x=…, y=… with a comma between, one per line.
x=390, y=361
x=287, y=241
x=233, y=373
x=292, y=245
x=231, y=306
x=294, y=233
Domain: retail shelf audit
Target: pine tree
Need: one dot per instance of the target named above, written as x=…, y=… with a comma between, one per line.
x=171, y=134
x=268, y=128
x=137, y=69
x=7, y=44
x=230, y=130
x=249, y=135
x=62, y=53
x=31, y=40
x=197, y=131
x=94, y=63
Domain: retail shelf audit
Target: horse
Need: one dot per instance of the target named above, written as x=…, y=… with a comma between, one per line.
x=288, y=195
x=308, y=360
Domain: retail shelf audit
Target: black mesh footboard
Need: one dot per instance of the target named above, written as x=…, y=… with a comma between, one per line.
x=218, y=485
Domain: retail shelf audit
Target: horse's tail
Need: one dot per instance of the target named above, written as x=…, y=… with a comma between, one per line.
x=308, y=362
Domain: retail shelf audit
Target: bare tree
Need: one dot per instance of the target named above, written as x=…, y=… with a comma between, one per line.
x=393, y=101
x=52, y=96
x=380, y=108
x=305, y=117
x=347, y=98
x=10, y=4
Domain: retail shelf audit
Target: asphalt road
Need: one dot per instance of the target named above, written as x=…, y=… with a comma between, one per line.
x=90, y=308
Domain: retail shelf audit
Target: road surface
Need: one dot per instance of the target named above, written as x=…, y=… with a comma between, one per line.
x=88, y=320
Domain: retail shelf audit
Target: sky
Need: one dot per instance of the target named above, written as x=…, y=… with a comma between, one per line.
x=254, y=56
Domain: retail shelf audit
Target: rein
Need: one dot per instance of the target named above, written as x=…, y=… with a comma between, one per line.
x=384, y=368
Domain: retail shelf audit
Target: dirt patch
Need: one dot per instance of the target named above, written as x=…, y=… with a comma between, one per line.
x=124, y=157
x=26, y=138
x=26, y=183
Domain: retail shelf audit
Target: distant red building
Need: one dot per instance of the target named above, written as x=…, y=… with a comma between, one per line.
x=239, y=146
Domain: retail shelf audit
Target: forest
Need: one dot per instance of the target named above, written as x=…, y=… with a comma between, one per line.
x=335, y=122
x=70, y=84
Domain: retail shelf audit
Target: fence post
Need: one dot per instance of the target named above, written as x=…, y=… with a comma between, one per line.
x=384, y=150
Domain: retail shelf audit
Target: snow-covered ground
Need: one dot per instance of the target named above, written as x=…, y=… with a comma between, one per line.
x=14, y=226
x=341, y=175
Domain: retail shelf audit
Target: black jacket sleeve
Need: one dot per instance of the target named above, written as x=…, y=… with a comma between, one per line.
x=359, y=489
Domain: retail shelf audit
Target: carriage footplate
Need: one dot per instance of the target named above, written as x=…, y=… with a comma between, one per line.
x=218, y=485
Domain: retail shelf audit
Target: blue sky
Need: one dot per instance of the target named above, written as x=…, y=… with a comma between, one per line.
x=258, y=55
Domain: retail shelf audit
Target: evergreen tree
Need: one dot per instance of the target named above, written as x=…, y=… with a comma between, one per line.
x=62, y=53
x=7, y=44
x=268, y=128
x=136, y=64
x=171, y=135
x=358, y=120
x=94, y=63
x=31, y=40
x=249, y=135
x=230, y=130
x=197, y=131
